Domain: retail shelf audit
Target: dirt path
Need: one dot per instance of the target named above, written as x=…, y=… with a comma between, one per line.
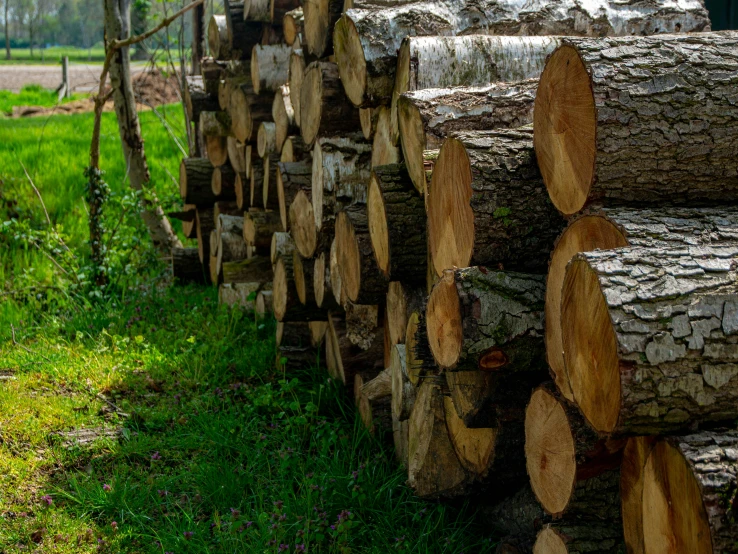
x=83, y=77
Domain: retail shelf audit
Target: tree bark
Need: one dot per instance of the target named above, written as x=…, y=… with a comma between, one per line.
x=664, y=149
x=345, y=359
x=258, y=228
x=254, y=269
x=419, y=359
x=324, y=108
x=291, y=178
x=218, y=43
x=295, y=150
x=400, y=303
x=394, y=207
x=689, y=493
x=196, y=98
x=282, y=245
x=243, y=35
x=487, y=204
x=402, y=390
x=237, y=294
x=204, y=224
x=426, y=117
x=223, y=183
x=231, y=246
x=296, y=72
x=319, y=18
x=266, y=139
x=117, y=27
x=287, y=305
x=323, y=283
x=659, y=325
x=195, y=181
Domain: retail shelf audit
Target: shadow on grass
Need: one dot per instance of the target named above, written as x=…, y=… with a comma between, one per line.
x=212, y=449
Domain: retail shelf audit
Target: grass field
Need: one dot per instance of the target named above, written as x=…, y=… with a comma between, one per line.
x=149, y=419
x=30, y=95
x=54, y=55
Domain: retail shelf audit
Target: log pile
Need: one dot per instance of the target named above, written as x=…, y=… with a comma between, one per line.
x=510, y=232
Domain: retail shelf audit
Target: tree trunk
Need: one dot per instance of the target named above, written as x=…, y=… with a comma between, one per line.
x=689, y=494
x=269, y=67
x=361, y=278
x=292, y=178
x=366, y=42
x=664, y=150
x=606, y=228
x=223, y=183
x=254, y=269
x=394, y=207
x=186, y=266
x=562, y=449
x=476, y=60
x=117, y=27
x=319, y=18
x=258, y=228
x=427, y=117
x=339, y=164
x=487, y=204
x=324, y=108
x=292, y=24
x=648, y=337
x=266, y=139
x=218, y=43
x=323, y=283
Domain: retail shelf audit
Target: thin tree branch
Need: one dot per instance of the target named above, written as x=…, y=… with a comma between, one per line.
x=117, y=44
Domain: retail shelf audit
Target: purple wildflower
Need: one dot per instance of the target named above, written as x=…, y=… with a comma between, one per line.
x=114, y=525
x=107, y=488
x=188, y=535
x=156, y=456
x=249, y=524
x=46, y=499
x=283, y=547
x=299, y=548
x=162, y=493
x=235, y=512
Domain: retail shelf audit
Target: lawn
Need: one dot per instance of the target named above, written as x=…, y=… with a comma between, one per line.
x=150, y=419
x=54, y=55
x=31, y=95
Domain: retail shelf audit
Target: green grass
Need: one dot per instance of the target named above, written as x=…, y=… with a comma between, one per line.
x=54, y=55
x=202, y=446
x=30, y=95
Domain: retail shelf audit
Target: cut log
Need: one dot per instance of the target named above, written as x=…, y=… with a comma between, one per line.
x=372, y=403
x=606, y=228
x=292, y=25
x=195, y=178
x=196, y=98
x=249, y=110
x=344, y=358
x=297, y=71
x=186, y=266
x=579, y=143
x=269, y=67
x=284, y=117
x=427, y=117
x=339, y=294
x=212, y=72
x=302, y=226
x=319, y=18
x=292, y=177
x=384, y=147
x=294, y=150
x=238, y=294
x=400, y=440
x=263, y=303
x=204, y=224
x=361, y=278
x=401, y=302
x=379, y=387
x=294, y=333
x=225, y=208
x=241, y=187
x=689, y=494
x=517, y=518
x=402, y=390
x=648, y=337
x=322, y=283
x=269, y=195
x=303, y=274
x=242, y=35
x=340, y=166
x=475, y=60
x=366, y=42
x=216, y=150
x=287, y=305
x=280, y=8
x=256, y=268
x=188, y=225
x=324, y=108
x=218, y=44
x=562, y=450
x=580, y=537
x=368, y=118
x=394, y=207
x=215, y=124
x=223, y=183
x=282, y=245
x=632, y=470
x=486, y=320
x=487, y=204
x=434, y=469
x=257, y=10
x=318, y=330
x=362, y=322
x=419, y=359
x=256, y=186
x=236, y=154
x=231, y=246
x=258, y=228
x=266, y=139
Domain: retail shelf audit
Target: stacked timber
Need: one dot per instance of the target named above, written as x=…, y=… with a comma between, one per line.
x=513, y=244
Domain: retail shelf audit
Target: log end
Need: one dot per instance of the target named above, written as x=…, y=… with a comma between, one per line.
x=311, y=103
x=475, y=448
x=549, y=452
x=443, y=322
x=280, y=289
x=350, y=59
x=348, y=257
x=302, y=225
x=585, y=234
x=450, y=216
x=549, y=541
x=635, y=455
x=590, y=347
x=378, y=225
x=413, y=142
x=565, y=126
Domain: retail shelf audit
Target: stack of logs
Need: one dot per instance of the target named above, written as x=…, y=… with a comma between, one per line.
x=514, y=244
